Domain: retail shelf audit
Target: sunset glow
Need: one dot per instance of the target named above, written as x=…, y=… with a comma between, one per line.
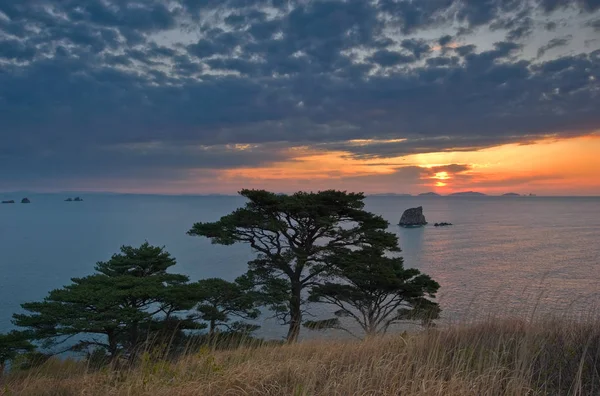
x=441, y=176
x=548, y=166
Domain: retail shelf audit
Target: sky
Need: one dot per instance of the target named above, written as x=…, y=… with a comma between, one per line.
x=380, y=96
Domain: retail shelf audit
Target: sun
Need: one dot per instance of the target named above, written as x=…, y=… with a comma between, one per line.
x=441, y=176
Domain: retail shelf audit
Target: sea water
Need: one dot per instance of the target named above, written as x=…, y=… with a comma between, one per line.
x=505, y=255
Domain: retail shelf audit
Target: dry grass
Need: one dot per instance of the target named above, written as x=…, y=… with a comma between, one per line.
x=496, y=357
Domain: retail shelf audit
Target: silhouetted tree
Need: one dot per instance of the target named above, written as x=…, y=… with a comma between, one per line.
x=11, y=345
x=294, y=236
x=116, y=309
x=220, y=300
x=375, y=290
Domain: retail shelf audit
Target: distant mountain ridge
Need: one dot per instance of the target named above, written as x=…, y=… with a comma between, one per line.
x=429, y=194
x=467, y=194
x=389, y=195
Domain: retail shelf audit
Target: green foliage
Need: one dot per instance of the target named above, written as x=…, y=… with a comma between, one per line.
x=139, y=262
x=126, y=302
x=220, y=300
x=13, y=344
x=294, y=236
x=375, y=290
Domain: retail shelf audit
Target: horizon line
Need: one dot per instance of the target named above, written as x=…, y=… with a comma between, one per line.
x=388, y=194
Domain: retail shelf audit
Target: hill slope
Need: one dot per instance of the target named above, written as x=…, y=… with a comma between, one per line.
x=493, y=358
x=468, y=194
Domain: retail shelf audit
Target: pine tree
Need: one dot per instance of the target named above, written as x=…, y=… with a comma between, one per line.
x=375, y=290
x=294, y=235
x=116, y=309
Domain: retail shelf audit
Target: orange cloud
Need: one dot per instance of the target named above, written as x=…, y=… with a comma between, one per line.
x=309, y=165
x=550, y=166
x=547, y=166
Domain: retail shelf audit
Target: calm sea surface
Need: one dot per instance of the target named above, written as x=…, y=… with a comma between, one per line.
x=504, y=255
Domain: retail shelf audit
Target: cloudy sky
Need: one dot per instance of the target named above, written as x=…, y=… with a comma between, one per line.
x=211, y=96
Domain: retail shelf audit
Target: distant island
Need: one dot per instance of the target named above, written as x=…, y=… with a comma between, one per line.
x=9, y=202
x=468, y=194
x=511, y=195
x=77, y=199
x=429, y=194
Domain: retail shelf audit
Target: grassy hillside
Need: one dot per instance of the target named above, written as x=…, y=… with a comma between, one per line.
x=502, y=357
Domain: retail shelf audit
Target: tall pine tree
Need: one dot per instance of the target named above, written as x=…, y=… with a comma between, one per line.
x=294, y=236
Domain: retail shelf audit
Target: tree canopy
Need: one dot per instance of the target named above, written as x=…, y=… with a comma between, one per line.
x=117, y=308
x=12, y=344
x=375, y=290
x=220, y=300
x=294, y=236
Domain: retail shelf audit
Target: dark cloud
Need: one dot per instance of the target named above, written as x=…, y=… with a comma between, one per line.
x=15, y=50
x=595, y=24
x=477, y=13
x=465, y=50
x=132, y=18
x=486, y=60
x=323, y=28
x=217, y=42
x=204, y=48
x=388, y=58
x=130, y=161
x=443, y=61
x=419, y=145
x=86, y=86
x=554, y=43
x=234, y=64
x=245, y=17
x=584, y=5
x=148, y=16
x=590, y=42
x=417, y=47
x=452, y=168
x=518, y=27
x=445, y=40
x=411, y=16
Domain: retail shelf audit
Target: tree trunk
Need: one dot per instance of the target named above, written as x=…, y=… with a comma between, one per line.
x=112, y=345
x=113, y=349
x=371, y=329
x=371, y=324
x=134, y=337
x=295, y=313
x=211, y=329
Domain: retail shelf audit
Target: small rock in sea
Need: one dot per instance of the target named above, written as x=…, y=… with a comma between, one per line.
x=25, y=200
x=8, y=202
x=442, y=224
x=77, y=199
x=69, y=200
x=413, y=217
